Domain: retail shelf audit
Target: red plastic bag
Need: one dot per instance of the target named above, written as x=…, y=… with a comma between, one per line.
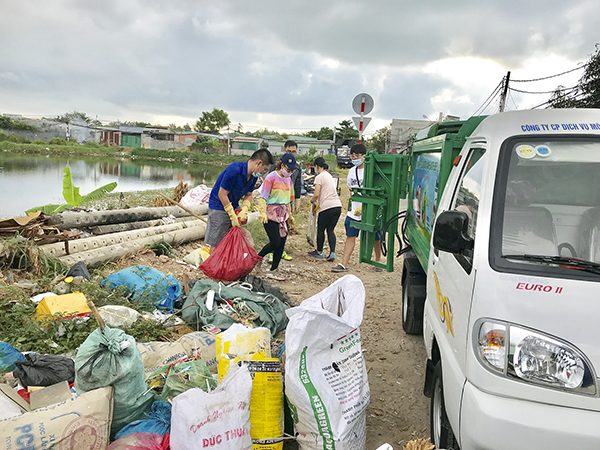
x=232, y=259
x=141, y=441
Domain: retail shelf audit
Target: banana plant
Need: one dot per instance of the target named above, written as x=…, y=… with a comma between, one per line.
x=72, y=196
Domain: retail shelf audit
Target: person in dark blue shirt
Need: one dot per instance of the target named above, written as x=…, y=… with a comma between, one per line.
x=233, y=185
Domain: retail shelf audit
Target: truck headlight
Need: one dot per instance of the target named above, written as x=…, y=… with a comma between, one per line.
x=531, y=356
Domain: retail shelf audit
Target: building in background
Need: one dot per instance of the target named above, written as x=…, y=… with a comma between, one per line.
x=403, y=131
x=245, y=145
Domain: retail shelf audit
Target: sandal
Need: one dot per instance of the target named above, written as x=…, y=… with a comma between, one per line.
x=276, y=276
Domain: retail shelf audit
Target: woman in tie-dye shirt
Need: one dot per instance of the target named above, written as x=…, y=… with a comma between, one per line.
x=276, y=194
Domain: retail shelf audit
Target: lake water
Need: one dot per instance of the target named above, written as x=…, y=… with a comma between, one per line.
x=27, y=181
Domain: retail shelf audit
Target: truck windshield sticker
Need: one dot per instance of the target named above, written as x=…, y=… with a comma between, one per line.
x=444, y=307
x=543, y=150
x=425, y=184
x=525, y=151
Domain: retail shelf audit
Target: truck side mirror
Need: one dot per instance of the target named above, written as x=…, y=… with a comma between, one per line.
x=450, y=233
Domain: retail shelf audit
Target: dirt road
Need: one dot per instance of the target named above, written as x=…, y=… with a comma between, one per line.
x=398, y=411
x=395, y=361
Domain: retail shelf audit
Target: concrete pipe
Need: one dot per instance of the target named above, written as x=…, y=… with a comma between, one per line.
x=129, y=226
x=57, y=249
x=98, y=256
x=72, y=219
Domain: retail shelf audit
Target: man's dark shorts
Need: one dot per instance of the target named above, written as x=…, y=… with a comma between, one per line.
x=217, y=226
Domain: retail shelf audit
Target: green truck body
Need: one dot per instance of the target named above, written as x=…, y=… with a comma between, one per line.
x=419, y=176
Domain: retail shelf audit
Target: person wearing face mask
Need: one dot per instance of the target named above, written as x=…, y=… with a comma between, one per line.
x=327, y=203
x=297, y=181
x=276, y=195
x=233, y=185
x=355, y=179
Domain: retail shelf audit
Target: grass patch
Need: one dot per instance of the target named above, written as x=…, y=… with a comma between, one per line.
x=21, y=253
x=118, y=200
x=259, y=235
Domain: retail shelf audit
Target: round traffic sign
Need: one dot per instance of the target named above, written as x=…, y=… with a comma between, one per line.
x=362, y=103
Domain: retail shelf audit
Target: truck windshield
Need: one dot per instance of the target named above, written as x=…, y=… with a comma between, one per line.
x=551, y=206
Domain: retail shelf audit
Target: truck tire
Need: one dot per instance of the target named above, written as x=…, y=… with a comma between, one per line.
x=413, y=295
x=442, y=435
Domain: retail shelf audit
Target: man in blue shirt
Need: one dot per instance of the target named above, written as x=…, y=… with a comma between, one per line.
x=235, y=183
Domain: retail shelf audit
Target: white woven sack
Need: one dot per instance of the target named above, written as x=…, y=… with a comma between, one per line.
x=219, y=420
x=325, y=375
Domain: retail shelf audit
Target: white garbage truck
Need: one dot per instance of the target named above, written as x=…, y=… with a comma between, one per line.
x=501, y=273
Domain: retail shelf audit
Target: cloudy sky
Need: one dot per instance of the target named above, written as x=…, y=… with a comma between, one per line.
x=285, y=65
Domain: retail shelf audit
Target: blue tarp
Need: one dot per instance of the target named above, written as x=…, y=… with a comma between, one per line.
x=146, y=284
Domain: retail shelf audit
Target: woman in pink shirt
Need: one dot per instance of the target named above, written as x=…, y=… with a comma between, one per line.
x=329, y=207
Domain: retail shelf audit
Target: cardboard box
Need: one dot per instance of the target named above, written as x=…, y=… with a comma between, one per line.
x=79, y=423
x=68, y=304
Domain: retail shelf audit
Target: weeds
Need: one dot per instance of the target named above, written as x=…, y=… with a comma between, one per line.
x=19, y=328
x=161, y=247
x=57, y=334
x=21, y=253
x=145, y=330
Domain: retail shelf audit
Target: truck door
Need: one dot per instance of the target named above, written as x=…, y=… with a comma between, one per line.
x=451, y=279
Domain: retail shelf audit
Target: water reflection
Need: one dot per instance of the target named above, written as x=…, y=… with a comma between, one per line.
x=32, y=180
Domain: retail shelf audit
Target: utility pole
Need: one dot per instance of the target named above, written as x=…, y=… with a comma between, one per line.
x=334, y=146
x=228, y=144
x=504, y=92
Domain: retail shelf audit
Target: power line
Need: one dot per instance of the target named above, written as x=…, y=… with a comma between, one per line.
x=549, y=101
x=513, y=100
x=495, y=92
x=540, y=92
x=551, y=76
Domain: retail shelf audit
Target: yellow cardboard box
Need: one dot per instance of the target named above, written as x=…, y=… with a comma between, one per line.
x=69, y=305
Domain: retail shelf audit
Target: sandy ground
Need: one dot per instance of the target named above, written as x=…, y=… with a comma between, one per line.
x=398, y=411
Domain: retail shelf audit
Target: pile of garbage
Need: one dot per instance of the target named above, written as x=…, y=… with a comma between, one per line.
x=236, y=365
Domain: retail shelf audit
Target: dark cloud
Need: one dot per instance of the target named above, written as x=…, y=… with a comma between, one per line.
x=296, y=58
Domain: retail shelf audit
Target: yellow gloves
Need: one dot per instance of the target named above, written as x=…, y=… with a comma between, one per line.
x=243, y=215
x=262, y=209
x=234, y=220
x=315, y=207
x=291, y=220
x=358, y=211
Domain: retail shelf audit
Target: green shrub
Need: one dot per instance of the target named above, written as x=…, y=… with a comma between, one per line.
x=14, y=138
x=6, y=123
x=59, y=141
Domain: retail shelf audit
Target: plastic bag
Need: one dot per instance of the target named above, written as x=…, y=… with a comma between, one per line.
x=196, y=196
x=118, y=316
x=181, y=377
x=198, y=256
x=219, y=420
x=141, y=441
x=232, y=259
x=159, y=421
x=325, y=373
x=148, y=284
x=8, y=357
x=241, y=343
x=79, y=269
x=111, y=358
x=44, y=370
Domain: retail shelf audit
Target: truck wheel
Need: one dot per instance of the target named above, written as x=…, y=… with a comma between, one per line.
x=442, y=435
x=412, y=308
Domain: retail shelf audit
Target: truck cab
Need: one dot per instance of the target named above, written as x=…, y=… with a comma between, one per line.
x=512, y=283
x=503, y=278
